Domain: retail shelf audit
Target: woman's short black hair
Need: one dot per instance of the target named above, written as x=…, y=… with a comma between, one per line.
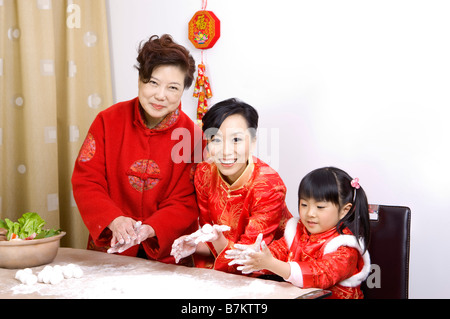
x=215, y=116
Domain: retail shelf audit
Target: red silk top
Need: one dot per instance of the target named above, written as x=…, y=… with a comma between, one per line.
x=126, y=169
x=321, y=270
x=254, y=204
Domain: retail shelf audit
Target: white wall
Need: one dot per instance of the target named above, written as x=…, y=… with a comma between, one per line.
x=361, y=85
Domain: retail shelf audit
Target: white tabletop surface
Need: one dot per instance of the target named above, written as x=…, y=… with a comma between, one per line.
x=112, y=276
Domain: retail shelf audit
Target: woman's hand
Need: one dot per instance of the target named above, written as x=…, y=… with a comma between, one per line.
x=141, y=233
x=144, y=232
x=210, y=233
x=214, y=235
x=123, y=230
x=187, y=245
x=183, y=247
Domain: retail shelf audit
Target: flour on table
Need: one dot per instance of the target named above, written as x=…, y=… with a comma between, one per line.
x=111, y=282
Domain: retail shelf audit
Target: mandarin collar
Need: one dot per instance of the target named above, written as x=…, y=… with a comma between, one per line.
x=168, y=121
x=242, y=180
x=315, y=237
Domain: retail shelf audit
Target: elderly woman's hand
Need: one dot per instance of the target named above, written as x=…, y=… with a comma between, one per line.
x=142, y=233
x=123, y=230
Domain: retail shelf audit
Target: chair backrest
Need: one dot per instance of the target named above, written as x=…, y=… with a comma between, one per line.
x=389, y=253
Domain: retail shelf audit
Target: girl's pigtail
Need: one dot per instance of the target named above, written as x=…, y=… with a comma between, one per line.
x=361, y=221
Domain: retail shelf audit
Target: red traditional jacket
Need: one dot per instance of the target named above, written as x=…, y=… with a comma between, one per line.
x=254, y=204
x=327, y=260
x=126, y=169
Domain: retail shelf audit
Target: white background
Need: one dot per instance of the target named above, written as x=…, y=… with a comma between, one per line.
x=361, y=85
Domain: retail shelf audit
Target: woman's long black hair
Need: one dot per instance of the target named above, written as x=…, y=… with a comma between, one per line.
x=332, y=184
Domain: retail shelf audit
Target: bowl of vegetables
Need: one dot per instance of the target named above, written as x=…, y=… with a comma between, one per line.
x=25, y=243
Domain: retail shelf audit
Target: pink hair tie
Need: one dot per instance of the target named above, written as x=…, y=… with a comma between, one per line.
x=355, y=183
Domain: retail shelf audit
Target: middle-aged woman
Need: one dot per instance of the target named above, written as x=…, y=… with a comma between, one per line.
x=239, y=195
x=134, y=198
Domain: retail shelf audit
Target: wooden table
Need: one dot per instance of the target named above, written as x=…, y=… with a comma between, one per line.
x=111, y=276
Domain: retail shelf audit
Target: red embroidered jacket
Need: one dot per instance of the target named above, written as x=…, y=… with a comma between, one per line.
x=327, y=260
x=126, y=169
x=254, y=204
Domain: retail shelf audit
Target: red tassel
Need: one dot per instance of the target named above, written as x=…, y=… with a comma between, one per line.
x=203, y=92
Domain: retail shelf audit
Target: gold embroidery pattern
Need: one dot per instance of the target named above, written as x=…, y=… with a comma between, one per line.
x=258, y=206
x=326, y=271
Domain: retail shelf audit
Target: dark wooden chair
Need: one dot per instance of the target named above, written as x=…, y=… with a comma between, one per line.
x=389, y=253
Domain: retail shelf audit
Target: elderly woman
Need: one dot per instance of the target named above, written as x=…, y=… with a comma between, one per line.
x=134, y=198
x=239, y=195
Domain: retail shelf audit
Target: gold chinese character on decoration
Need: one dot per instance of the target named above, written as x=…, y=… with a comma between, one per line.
x=204, y=29
x=201, y=22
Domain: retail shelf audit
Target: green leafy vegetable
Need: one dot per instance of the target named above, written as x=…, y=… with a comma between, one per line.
x=27, y=226
x=48, y=233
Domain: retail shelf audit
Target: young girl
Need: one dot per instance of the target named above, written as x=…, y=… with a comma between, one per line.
x=326, y=247
x=238, y=194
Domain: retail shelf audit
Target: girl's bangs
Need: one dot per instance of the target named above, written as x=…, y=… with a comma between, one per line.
x=319, y=185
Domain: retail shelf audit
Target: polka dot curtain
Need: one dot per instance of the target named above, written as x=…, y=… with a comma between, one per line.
x=54, y=79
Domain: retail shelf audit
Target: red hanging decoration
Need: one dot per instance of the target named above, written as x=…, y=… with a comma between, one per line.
x=204, y=31
x=202, y=82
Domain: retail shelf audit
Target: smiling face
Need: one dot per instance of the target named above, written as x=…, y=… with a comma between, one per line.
x=231, y=147
x=162, y=94
x=320, y=216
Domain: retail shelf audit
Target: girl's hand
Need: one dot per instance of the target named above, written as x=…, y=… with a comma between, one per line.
x=255, y=261
x=240, y=251
x=257, y=257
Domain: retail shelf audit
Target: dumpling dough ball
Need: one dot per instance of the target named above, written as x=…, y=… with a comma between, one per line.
x=30, y=280
x=207, y=229
x=46, y=277
x=58, y=268
x=68, y=272
x=19, y=274
x=72, y=271
x=47, y=268
x=40, y=276
x=56, y=277
x=77, y=271
x=26, y=276
x=45, y=274
x=22, y=273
